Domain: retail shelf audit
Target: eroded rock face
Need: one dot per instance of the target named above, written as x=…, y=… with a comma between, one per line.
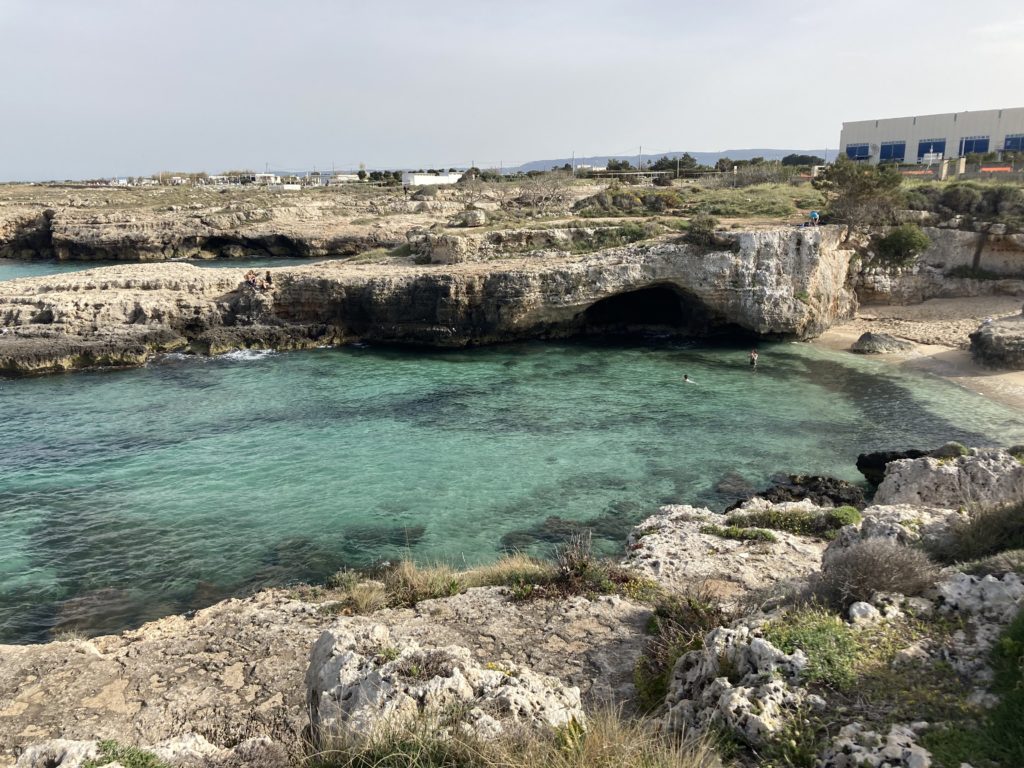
x=671, y=548
x=984, y=478
x=739, y=681
x=96, y=317
x=902, y=524
x=361, y=687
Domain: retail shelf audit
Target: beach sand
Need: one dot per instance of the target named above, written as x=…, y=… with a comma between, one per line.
x=939, y=329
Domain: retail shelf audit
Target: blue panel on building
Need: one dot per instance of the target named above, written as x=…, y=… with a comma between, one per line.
x=929, y=147
x=892, y=151
x=858, y=151
x=975, y=144
x=1014, y=143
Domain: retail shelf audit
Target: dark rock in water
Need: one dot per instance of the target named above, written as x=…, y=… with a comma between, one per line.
x=880, y=344
x=613, y=525
x=822, y=491
x=735, y=485
x=872, y=465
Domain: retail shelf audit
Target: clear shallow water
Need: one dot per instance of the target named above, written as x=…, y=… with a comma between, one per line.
x=130, y=495
x=10, y=269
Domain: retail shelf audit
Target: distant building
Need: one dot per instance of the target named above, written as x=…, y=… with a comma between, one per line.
x=119, y=182
x=413, y=179
x=930, y=138
x=344, y=178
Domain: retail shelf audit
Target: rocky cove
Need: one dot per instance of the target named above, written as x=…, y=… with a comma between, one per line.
x=246, y=682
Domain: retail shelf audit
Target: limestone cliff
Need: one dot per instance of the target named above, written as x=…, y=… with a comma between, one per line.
x=784, y=283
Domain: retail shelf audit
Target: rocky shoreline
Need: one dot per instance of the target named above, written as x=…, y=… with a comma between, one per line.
x=233, y=683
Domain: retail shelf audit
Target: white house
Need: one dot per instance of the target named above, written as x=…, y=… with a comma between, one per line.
x=413, y=179
x=344, y=178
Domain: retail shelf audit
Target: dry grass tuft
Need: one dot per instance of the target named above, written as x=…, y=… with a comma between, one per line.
x=869, y=566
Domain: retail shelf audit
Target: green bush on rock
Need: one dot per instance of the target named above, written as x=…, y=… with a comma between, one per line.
x=821, y=525
x=902, y=245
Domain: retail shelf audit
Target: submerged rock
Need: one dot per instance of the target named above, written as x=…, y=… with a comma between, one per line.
x=872, y=465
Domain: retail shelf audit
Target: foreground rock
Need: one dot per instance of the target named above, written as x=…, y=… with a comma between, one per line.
x=983, y=478
x=675, y=548
x=122, y=315
x=363, y=688
x=236, y=671
x=1000, y=343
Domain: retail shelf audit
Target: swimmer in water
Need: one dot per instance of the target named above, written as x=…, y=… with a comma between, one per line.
x=687, y=379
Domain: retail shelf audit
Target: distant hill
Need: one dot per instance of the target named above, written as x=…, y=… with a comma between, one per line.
x=704, y=158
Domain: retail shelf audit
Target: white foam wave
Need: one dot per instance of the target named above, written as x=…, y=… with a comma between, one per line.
x=247, y=355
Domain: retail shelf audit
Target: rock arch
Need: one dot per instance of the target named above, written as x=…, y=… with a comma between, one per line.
x=658, y=308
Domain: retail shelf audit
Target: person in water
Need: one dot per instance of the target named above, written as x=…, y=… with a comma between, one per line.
x=687, y=379
x=753, y=358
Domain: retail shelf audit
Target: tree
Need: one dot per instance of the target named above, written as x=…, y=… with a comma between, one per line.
x=795, y=159
x=361, y=174
x=902, y=245
x=724, y=165
x=859, y=193
x=685, y=162
x=619, y=165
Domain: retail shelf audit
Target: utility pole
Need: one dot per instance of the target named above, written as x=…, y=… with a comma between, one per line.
x=574, y=163
x=677, y=166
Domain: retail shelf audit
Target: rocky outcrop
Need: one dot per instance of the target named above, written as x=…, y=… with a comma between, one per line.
x=361, y=687
x=236, y=670
x=788, y=283
x=945, y=269
x=902, y=524
x=880, y=344
x=677, y=548
x=1000, y=343
x=983, y=478
x=740, y=682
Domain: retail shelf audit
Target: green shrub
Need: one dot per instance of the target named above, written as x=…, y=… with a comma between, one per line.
x=829, y=643
x=129, y=757
x=677, y=626
x=962, y=198
x=702, y=230
x=872, y=565
x=822, y=525
x=902, y=244
x=738, y=534
x=974, y=273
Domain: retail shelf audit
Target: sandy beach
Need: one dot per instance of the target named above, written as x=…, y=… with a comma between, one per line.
x=939, y=328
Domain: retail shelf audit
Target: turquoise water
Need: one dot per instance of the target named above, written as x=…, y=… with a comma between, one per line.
x=134, y=494
x=11, y=269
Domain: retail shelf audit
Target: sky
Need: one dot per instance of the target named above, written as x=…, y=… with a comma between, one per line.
x=94, y=88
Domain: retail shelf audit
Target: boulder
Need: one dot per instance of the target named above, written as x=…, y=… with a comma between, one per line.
x=872, y=465
x=880, y=344
x=1000, y=343
x=471, y=218
x=983, y=478
x=360, y=687
x=857, y=746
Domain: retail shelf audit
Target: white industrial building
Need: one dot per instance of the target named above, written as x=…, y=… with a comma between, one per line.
x=930, y=138
x=413, y=179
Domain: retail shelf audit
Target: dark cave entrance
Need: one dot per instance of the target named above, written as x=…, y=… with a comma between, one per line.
x=659, y=309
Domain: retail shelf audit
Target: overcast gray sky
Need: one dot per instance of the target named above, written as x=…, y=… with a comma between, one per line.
x=103, y=87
